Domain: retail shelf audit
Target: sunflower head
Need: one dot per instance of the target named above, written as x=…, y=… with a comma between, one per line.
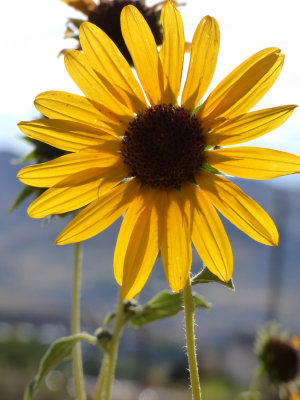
x=279, y=356
x=139, y=147
x=106, y=15
x=163, y=147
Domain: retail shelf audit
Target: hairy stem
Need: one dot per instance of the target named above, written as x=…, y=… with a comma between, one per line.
x=113, y=349
x=189, y=309
x=75, y=325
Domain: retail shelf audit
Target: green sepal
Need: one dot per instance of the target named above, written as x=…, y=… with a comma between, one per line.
x=205, y=276
x=57, y=352
x=164, y=304
x=195, y=110
x=208, y=168
x=76, y=22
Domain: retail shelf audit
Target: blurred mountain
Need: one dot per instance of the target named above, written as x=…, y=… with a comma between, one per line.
x=36, y=276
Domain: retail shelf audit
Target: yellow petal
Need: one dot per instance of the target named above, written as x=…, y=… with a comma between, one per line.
x=85, y=6
x=208, y=235
x=137, y=244
x=244, y=86
x=171, y=52
x=175, y=241
x=142, y=48
x=248, y=126
x=67, y=106
x=66, y=135
x=75, y=191
x=204, y=54
x=97, y=216
x=60, y=200
x=51, y=172
x=254, y=162
x=238, y=208
x=93, y=87
x=110, y=65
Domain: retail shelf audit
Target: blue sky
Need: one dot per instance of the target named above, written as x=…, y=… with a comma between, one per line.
x=32, y=36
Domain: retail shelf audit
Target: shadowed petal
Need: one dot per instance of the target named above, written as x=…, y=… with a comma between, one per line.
x=208, y=235
x=238, y=208
x=100, y=214
x=175, y=241
x=137, y=244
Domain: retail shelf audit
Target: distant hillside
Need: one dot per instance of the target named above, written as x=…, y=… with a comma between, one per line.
x=35, y=276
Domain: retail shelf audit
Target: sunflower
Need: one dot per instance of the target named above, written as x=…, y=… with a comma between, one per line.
x=154, y=159
x=106, y=15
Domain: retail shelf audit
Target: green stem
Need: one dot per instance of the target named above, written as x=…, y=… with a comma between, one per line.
x=189, y=309
x=100, y=386
x=113, y=349
x=75, y=325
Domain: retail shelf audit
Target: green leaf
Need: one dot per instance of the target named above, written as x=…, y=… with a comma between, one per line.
x=25, y=192
x=57, y=352
x=164, y=304
x=205, y=276
x=200, y=302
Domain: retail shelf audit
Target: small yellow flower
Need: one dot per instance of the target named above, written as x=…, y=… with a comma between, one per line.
x=153, y=159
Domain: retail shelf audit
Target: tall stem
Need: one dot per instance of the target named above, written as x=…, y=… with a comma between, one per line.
x=113, y=350
x=75, y=324
x=100, y=385
x=189, y=309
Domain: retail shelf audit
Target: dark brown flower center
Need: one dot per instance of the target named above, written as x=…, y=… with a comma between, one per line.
x=163, y=147
x=107, y=17
x=281, y=359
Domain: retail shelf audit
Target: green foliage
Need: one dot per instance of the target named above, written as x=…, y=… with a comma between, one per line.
x=57, y=352
x=164, y=304
x=205, y=276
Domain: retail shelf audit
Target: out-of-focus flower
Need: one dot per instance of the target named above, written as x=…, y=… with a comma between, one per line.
x=106, y=15
x=155, y=159
x=280, y=358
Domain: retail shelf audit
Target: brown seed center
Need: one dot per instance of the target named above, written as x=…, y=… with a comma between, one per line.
x=163, y=147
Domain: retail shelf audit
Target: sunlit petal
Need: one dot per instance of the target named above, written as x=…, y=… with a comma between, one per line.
x=72, y=107
x=66, y=135
x=244, y=86
x=111, y=67
x=49, y=173
x=204, y=54
x=249, y=126
x=172, y=52
x=93, y=87
x=143, y=50
x=254, y=162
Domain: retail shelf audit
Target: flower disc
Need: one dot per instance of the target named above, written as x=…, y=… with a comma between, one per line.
x=163, y=147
